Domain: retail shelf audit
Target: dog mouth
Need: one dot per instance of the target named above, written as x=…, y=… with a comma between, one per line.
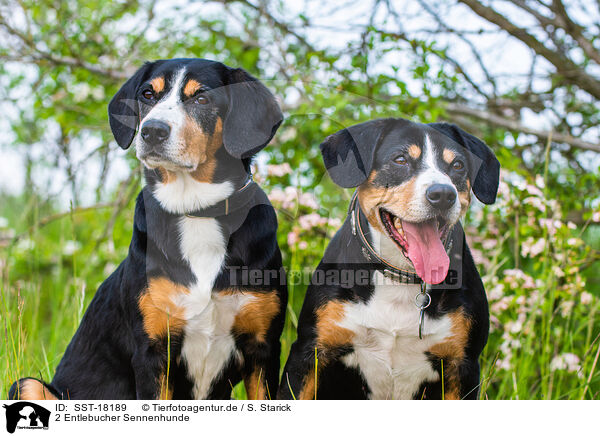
x=422, y=243
x=154, y=160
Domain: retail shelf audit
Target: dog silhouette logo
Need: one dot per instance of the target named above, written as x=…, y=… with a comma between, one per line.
x=26, y=415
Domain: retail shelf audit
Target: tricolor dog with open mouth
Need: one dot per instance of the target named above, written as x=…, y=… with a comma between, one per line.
x=397, y=300
x=177, y=319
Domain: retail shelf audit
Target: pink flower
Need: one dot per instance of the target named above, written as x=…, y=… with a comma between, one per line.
x=309, y=200
x=535, y=202
x=291, y=195
x=503, y=189
x=539, y=181
x=586, y=298
x=279, y=170
x=334, y=222
x=311, y=220
x=550, y=224
x=534, y=190
x=529, y=248
x=566, y=307
x=292, y=238
x=496, y=292
x=287, y=198
x=488, y=244
x=565, y=361
x=503, y=363
x=277, y=195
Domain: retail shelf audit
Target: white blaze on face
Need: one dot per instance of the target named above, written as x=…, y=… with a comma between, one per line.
x=432, y=175
x=423, y=227
x=170, y=111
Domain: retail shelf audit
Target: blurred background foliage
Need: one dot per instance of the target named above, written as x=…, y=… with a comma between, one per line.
x=523, y=75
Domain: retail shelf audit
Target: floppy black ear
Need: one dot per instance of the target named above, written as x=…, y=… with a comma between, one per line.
x=123, y=109
x=349, y=153
x=487, y=177
x=253, y=115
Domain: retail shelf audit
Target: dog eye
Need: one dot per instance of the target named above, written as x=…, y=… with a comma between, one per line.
x=202, y=99
x=401, y=160
x=457, y=165
x=148, y=94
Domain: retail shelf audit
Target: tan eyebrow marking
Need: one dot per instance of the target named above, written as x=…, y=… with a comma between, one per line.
x=158, y=84
x=448, y=155
x=414, y=151
x=191, y=87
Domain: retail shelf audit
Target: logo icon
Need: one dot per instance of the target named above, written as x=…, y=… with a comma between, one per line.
x=26, y=415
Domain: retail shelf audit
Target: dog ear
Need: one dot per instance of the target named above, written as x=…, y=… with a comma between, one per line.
x=484, y=179
x=253, y=115
x=349, y=153
x=123, y=109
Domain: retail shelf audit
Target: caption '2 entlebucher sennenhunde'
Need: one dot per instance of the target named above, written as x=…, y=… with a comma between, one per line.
x=396, y=308
x=178, y=319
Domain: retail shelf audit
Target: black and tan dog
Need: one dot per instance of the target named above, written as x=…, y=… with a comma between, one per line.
x=396, y=308
x=177, y=319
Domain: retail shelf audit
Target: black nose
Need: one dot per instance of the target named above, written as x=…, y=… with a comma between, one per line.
x=155, y=132
x=441, y=196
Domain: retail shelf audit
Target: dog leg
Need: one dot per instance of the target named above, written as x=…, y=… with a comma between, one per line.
x=257, y=328
x=150, y=370
x=261, y=370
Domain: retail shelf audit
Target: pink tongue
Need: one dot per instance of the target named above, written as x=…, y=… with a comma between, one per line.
x=426, y=251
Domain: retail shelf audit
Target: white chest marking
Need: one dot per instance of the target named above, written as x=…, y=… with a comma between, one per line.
x=185, y=194
x=208, y=344
x=387, y=349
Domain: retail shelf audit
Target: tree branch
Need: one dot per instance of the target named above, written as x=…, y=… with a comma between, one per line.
x=505, y=123
x=37, y=55
x=564, y=66
x=575, y=30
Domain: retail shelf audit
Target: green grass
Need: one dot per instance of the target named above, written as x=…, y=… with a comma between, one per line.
x=47, y=281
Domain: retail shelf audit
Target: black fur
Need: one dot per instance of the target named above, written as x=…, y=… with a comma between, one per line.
x=485, y=173
x=350, y=156
x=251, y=116
x=111, y=355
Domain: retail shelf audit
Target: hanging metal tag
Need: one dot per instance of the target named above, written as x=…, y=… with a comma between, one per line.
x=422, y=301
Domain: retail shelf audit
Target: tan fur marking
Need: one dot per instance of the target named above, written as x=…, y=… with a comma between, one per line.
x=308, y=387
x=191, y=87
x=166, y=390
x=414, y=151
x=256, y=386
x=452, y=352
x=329, y=335
x=159, y=309
x=255, y=317
x=204, y=147
x=371, y=197
x=199, y=148
x=448, y=155
x=31, y=389
x=158, y=84
x=167, y=176
x=465, y=199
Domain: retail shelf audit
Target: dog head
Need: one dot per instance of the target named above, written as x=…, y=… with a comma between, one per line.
x=414, y=182
x=194, y=119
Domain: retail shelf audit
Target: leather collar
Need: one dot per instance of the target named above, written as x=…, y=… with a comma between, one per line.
x=236, y=201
